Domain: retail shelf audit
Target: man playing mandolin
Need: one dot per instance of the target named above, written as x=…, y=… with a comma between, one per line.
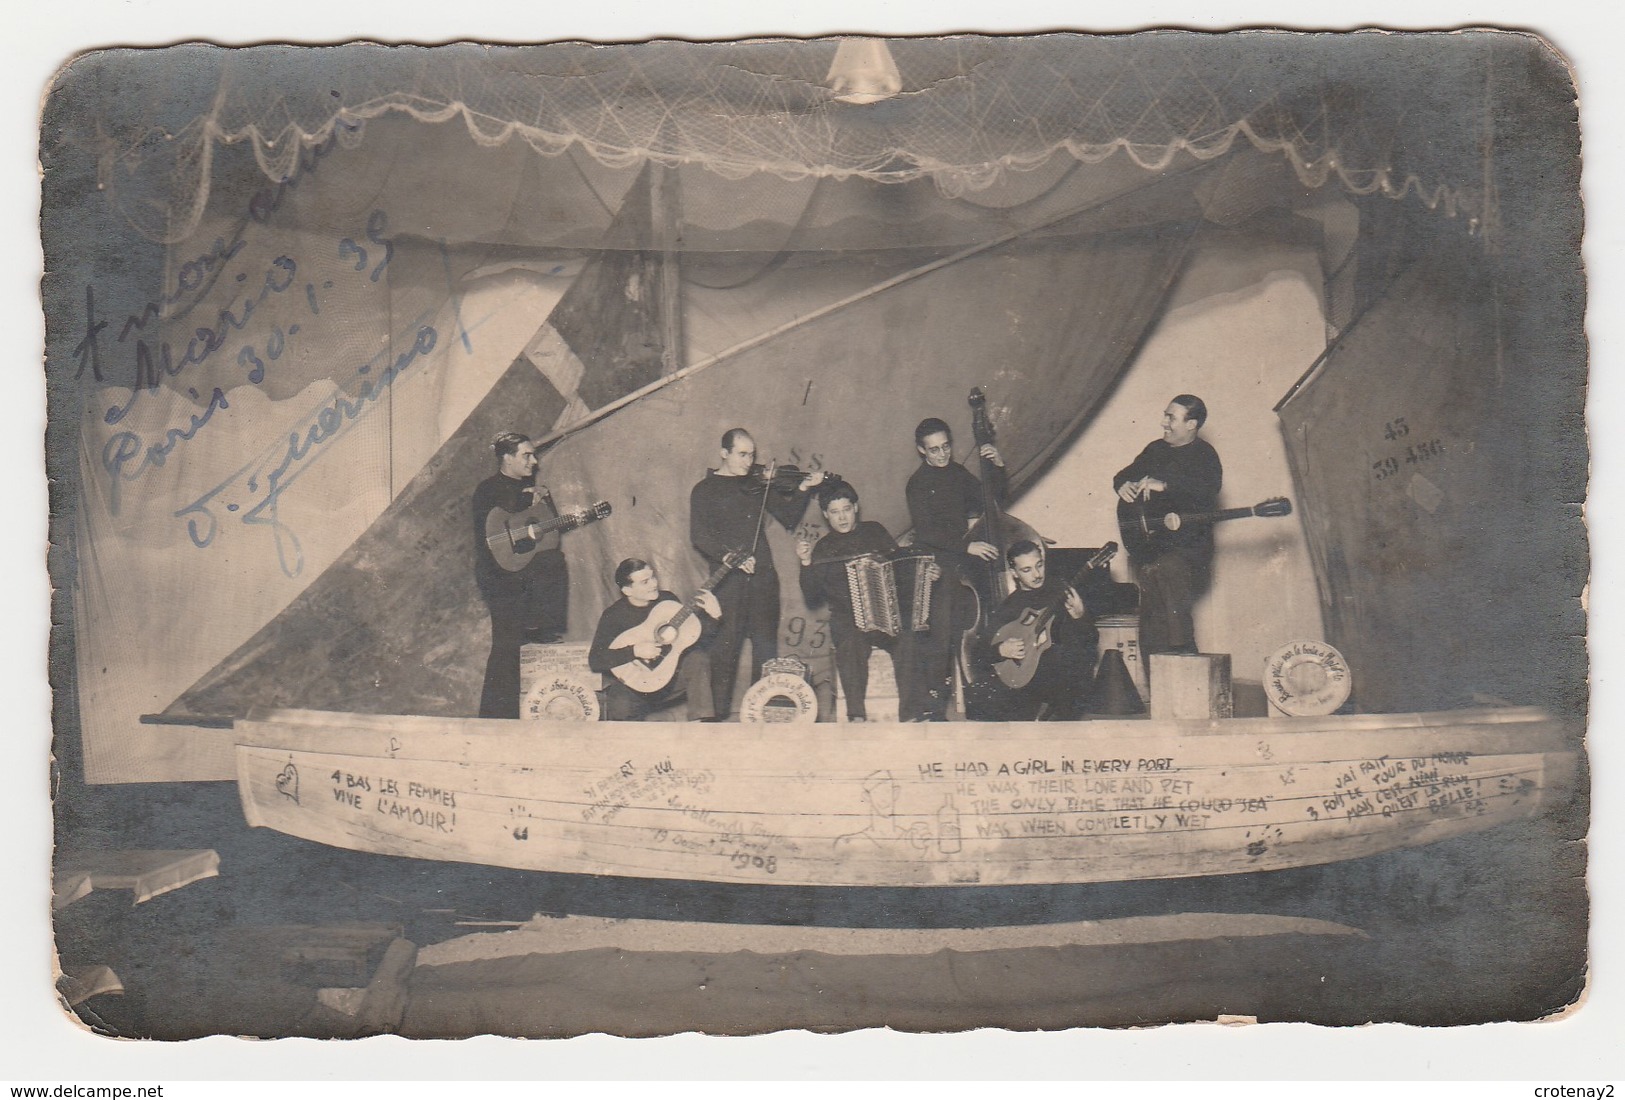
x=640, y=593
x=1058, y=688
x=528, y=602
x=1179, y=473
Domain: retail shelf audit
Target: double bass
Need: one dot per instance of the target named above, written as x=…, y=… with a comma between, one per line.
x=989, y=581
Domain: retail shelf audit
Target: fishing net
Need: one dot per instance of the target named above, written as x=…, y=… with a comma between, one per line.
x=1398, y=115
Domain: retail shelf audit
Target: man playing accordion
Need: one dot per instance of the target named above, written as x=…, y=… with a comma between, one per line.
x=875, y=594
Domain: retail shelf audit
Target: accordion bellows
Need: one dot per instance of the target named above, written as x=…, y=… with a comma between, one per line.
x=885, y=587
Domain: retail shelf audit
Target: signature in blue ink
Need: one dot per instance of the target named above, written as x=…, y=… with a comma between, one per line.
x=304, y=446
x=123, y=448
x=279, y=276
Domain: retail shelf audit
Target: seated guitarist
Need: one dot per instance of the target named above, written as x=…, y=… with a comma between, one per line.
x=1058, y=690
x=528, y=603
x=1180, y=472
x=640, y=591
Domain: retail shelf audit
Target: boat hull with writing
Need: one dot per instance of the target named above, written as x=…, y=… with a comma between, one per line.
x=954, y=804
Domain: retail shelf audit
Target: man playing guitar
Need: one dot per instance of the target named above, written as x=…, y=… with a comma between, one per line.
x=531, y=601
x=640, y=592
x=1179, y=473
x=1058, y=690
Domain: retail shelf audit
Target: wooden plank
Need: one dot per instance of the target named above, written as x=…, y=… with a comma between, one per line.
x=560, y=935
x=384, y=1002
x=146, y=873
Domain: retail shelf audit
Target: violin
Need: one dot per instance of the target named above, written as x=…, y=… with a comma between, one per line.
x=782, y=478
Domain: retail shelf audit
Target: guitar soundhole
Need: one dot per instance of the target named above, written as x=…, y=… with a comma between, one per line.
x=666, y=635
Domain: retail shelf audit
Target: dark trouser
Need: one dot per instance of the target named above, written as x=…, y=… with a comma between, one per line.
x=534, y=600
x=852, y=650
x=1058, y=691
x=929, y=655
x=750, y=612
x=693, y=679
x=1168, y=590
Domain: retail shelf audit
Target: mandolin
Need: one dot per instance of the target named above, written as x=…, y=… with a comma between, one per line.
x=1032, y=627
x=673, y=627
x=515, y=537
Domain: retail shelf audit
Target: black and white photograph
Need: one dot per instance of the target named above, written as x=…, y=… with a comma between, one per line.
x=1036, y=532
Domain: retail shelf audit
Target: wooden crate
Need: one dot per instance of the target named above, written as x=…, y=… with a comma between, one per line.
x=1191, y=685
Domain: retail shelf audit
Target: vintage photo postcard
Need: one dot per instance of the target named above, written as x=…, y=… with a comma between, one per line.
x=1025, y=532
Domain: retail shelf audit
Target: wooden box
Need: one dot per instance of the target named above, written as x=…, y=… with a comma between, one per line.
x=1191, y=685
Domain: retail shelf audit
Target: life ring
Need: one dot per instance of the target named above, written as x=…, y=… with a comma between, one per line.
x=762, y=703
x=1306, y=679
x=561, y=697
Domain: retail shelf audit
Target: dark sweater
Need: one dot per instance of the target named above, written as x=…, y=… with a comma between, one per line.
x=501, y=491
x=723, y=516
x=1193, y=475
x=1065, y=631
x=942, y=500
x=824, y=581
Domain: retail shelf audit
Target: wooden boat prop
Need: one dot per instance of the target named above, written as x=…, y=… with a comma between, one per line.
x=902, y=805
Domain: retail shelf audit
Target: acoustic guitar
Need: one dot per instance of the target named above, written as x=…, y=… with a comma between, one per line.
x=514, y=537
x=1032, y=626
x=1146, y=526
x=673, y=627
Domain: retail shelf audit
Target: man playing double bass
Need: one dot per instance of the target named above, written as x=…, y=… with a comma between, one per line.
x=944, y=500
x=1178, y=473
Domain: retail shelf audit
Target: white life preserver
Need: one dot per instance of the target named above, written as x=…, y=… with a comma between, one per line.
x=561, y=697
x=760, y=702
x=1306, y=679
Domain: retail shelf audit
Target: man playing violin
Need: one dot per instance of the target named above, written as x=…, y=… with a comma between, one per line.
x=1058, y=690
x=1180, y=473
x=531, y=602
x=640, y=591
x=944, y=500
x=727, y=511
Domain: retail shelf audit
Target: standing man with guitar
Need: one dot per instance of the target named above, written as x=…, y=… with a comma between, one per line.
x=531, y=601
x=1061, y=637
x=944, y=500
x=1179, y=473
x=619, y=642
x=727, y=511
